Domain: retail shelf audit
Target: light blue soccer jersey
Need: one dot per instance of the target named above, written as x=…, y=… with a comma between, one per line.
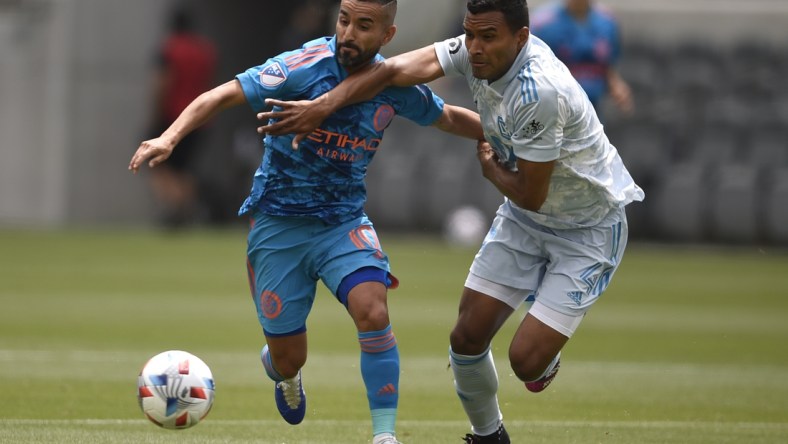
x=324, y=178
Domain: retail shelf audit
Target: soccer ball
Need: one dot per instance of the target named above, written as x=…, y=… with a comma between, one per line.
x=175, y=389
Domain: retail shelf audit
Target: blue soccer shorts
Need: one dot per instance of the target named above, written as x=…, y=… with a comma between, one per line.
x=286, y=256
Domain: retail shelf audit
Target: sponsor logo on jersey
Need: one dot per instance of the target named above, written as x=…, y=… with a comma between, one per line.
x=533, y=128
x=272, y=75
x=342, y=147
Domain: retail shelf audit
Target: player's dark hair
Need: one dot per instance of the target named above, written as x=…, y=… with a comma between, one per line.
x=390, y=5
x=515, y=12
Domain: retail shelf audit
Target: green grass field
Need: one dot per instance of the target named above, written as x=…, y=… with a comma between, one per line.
x=686, y=346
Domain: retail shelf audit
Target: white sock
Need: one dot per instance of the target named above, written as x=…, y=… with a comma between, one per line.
x=476, y=382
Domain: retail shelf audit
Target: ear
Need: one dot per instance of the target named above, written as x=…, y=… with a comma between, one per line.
x=522, y=37
x=389, y=34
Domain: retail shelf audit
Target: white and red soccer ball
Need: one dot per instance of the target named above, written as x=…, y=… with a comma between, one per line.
x=175, y=389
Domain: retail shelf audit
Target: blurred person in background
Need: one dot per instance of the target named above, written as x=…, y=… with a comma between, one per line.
x=186, y=66
x=561, y=232
x=308, y=21
x=585, y=36
x=307, y=205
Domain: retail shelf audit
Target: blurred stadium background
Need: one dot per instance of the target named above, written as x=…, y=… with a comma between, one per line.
x=707, y=142
x=685, y=348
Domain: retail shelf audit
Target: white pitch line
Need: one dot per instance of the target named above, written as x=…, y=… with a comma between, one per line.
x=429, y=423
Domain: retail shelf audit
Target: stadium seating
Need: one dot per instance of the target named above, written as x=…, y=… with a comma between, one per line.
x=677, y=203
x=708, y=142
x=775, y=208
x=734, y=204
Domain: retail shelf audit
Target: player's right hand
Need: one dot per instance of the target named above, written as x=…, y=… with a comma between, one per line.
x=153, y=151
x=299, y=117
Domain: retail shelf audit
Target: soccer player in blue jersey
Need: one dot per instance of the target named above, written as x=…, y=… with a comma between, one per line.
x=306, y=205
x=561, y=232
x=585, y=36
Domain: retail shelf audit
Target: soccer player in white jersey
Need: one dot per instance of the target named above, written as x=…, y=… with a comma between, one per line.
x=561, y=232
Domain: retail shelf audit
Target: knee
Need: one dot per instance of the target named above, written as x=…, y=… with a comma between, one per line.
x=464, y=342
x=374, y=318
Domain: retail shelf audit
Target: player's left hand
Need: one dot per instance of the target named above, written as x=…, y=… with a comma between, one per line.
x=299, y=117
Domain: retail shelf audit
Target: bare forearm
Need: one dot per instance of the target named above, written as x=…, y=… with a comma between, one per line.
x=461, y=122
x=527, y=187
x=507, y=182
x=202, y=109
x=408, y=69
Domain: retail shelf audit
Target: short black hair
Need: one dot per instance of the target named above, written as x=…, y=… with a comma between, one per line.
x=515, y=12
x=390, y=5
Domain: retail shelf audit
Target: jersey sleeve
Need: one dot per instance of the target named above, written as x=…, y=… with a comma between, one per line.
x=419, y=104
x=271, y=80
x=453, y=56
x=538, y=123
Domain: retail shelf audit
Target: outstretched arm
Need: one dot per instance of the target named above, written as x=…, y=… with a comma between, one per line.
x=202, y=109
x=460, y=122
x=302, y=117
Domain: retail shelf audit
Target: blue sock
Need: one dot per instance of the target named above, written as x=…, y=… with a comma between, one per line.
x=380, y=371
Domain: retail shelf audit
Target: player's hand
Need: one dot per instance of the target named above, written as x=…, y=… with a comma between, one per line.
x=299, y=117
x=154, y=152
x=621, y=95
x=487, y=157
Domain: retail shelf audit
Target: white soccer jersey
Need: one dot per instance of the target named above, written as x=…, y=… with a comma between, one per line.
x=538, y=112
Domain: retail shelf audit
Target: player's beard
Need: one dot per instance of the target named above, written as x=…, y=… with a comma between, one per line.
x=351, y=62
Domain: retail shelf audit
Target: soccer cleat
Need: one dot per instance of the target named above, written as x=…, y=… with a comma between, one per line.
x=499, y=437
x=542, y=383
x=385, y=438
x=291, y=399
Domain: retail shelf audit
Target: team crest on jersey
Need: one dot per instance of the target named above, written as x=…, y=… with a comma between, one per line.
x=383, y=117
x=272, y=75
x=503, y=130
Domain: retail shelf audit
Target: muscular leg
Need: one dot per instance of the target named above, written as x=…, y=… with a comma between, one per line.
x=283, y=358
x=288, y=355
x=533, y=348
x=368, y=307
x=475, y=376
x=379, y=353
x=479, y=320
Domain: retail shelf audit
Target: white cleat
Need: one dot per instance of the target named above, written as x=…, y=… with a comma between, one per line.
x=385, y=438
